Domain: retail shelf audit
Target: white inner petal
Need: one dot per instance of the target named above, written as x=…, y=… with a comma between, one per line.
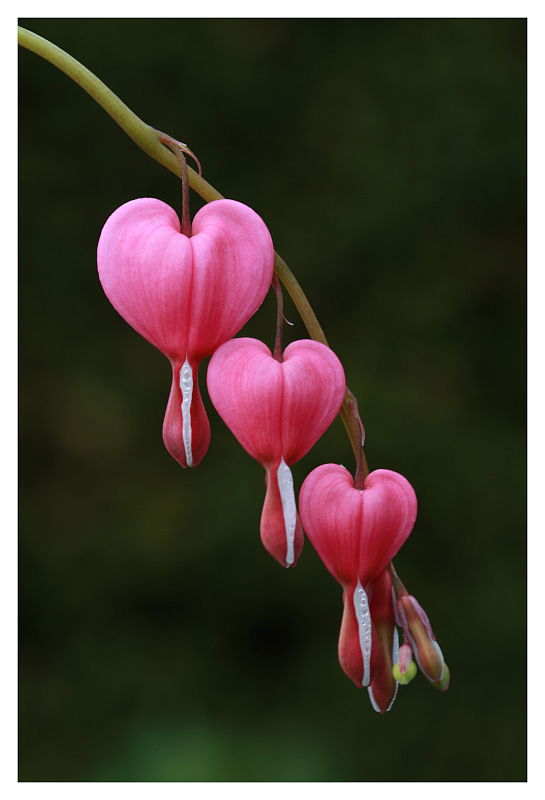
x=363, y=615
x=285, y=485
x=372, y=699
x=395, y=648
x=186, y=385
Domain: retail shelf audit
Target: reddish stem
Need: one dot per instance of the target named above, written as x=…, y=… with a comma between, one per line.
x=178, y=150
x=362, y=470
x=279, y=318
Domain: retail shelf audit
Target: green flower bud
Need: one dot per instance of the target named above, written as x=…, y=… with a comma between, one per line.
x=404, y=677
x=442, y=685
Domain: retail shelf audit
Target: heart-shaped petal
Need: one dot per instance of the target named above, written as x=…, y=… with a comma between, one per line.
x=356, y=532
x=185, y=295
x=276, y=410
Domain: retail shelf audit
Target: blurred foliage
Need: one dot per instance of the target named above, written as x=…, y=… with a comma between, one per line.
x=158, y=640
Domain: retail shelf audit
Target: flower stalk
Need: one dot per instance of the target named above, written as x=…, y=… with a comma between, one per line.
x=362, y=470
x=277, y=352
x=178, y=148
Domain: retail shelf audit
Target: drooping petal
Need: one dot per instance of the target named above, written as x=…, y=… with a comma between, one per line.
x=359, y=645
x=331, y=511
x=389, y=514
x=187, y=434
x=280, y=526
x=383, y=687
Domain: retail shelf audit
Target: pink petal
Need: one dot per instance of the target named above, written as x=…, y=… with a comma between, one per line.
x=389, y=514
x=145, y=267
x=273, y=525
x=233, y=259
x=173, y=424
x=276, y=409
x=356, y=533
x=312, y=394
x=331, y=513
x=185, y=295
x=245, y=386
x=350, y=653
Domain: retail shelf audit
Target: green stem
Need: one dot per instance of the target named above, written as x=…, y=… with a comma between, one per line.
x=148, y=139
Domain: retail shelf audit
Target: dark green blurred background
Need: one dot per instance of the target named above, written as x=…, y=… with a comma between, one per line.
x=158, y=640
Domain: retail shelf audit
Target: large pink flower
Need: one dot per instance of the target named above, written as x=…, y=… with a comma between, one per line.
x=356, y=534
x=277, y=411
x=185, y=295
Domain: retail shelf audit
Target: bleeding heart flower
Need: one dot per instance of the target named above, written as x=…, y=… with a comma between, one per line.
x=185, y=295
x=356, y=533
x=277, y=410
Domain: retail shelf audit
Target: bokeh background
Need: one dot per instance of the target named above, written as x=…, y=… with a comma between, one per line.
x=158, y=640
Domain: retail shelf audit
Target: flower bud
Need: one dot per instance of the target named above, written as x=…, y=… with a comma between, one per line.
x=404, y=669
x=427, y=652
x=443, y=683
x=404, y=677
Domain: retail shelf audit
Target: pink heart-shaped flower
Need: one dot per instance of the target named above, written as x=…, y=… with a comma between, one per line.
x=277, y=411
x=185, y=295
x=356, y=533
